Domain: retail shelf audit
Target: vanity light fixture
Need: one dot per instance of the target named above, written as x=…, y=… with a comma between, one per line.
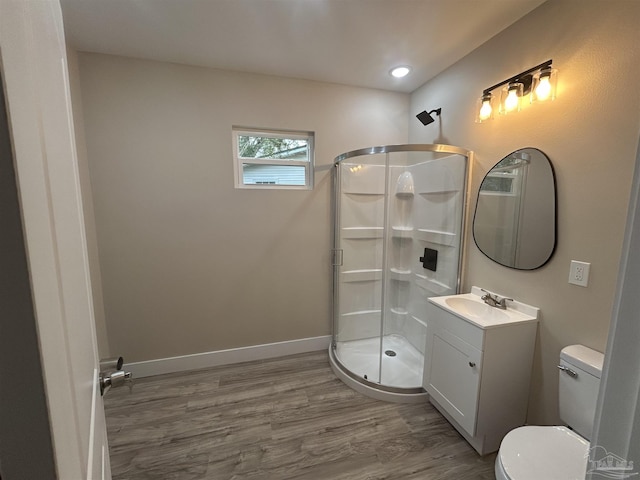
x=539, y=82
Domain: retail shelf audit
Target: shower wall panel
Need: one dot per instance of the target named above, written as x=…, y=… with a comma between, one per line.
x=437, y=217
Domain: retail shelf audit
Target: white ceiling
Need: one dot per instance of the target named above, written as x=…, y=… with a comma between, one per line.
x=352, y=42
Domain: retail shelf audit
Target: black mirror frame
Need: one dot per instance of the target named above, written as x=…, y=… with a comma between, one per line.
x=555, y=224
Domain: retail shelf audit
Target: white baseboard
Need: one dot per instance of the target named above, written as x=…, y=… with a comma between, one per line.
x=195, y=361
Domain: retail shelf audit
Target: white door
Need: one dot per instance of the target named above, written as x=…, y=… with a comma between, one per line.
x=33, y=55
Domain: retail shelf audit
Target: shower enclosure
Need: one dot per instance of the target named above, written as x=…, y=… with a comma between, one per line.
x=399, y=218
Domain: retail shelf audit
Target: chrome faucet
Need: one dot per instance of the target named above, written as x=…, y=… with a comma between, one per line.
x=494, y=300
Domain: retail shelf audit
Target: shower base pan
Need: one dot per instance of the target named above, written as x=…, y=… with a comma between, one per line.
x=402, y=366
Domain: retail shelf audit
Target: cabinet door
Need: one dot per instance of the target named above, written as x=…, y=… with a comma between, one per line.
x=453, y=379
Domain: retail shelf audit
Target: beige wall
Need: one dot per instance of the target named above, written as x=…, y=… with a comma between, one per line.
x=590, y=132
x=190, y=264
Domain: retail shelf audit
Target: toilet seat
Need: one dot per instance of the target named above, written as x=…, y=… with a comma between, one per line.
x=535, y=453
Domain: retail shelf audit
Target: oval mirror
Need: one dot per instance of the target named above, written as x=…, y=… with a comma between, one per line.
x=515, y=220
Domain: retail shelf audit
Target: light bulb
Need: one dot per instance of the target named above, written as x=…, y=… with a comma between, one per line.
x=543, y=90
x=401, y=71
x=485, y=109
x=544, y=85
x=511, y=102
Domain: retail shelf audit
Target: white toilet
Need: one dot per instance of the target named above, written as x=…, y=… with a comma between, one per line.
x=557, y=453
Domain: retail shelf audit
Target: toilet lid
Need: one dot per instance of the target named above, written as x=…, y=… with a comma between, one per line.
x=534, y=453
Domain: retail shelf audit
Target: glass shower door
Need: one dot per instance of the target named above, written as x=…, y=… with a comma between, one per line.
x=360, y=230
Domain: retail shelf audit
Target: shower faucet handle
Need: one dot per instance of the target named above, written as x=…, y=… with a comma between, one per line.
x=429, y=259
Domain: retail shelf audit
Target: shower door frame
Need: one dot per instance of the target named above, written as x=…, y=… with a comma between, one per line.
x=336, y=252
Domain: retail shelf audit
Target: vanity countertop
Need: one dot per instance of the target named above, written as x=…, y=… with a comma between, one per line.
x=471, y=307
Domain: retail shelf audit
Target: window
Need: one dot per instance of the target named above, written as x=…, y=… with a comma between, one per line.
x=273, y=159
x=498, y=183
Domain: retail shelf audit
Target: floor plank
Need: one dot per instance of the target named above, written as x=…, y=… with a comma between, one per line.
x=282, y=419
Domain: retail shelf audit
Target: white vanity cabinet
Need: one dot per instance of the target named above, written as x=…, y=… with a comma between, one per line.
x=477, y=372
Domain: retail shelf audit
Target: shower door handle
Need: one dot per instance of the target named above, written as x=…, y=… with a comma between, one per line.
x=337, y=257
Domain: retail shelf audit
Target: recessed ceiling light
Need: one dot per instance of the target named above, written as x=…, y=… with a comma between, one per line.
x=401, y=71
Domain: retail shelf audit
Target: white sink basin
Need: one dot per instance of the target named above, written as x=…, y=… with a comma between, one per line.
x=468, y=307
x=472, y=308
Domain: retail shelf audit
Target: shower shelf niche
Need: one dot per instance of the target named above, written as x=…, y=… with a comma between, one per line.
x=436, y=236
x=420, y=321
x=362, y=232
x=404, y=186
x=402, y=232
x=400, y=275
x=431, y=285
x=440, y=192
x=360, y=313
x=364, y=275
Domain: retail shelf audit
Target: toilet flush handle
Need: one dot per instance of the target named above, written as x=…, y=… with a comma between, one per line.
x=568, y=371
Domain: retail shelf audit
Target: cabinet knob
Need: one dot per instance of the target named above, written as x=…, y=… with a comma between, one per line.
x=472, y=364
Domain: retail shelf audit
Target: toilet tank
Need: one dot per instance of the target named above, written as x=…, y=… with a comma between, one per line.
x=580, y=371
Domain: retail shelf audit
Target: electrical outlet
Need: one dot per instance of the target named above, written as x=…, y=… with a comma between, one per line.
x=579, y=273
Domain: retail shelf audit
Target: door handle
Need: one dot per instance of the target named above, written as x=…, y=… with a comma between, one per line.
x=115, y=379
x=112, y=375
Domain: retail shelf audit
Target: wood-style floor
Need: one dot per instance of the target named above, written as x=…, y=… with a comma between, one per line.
x=281, y=419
